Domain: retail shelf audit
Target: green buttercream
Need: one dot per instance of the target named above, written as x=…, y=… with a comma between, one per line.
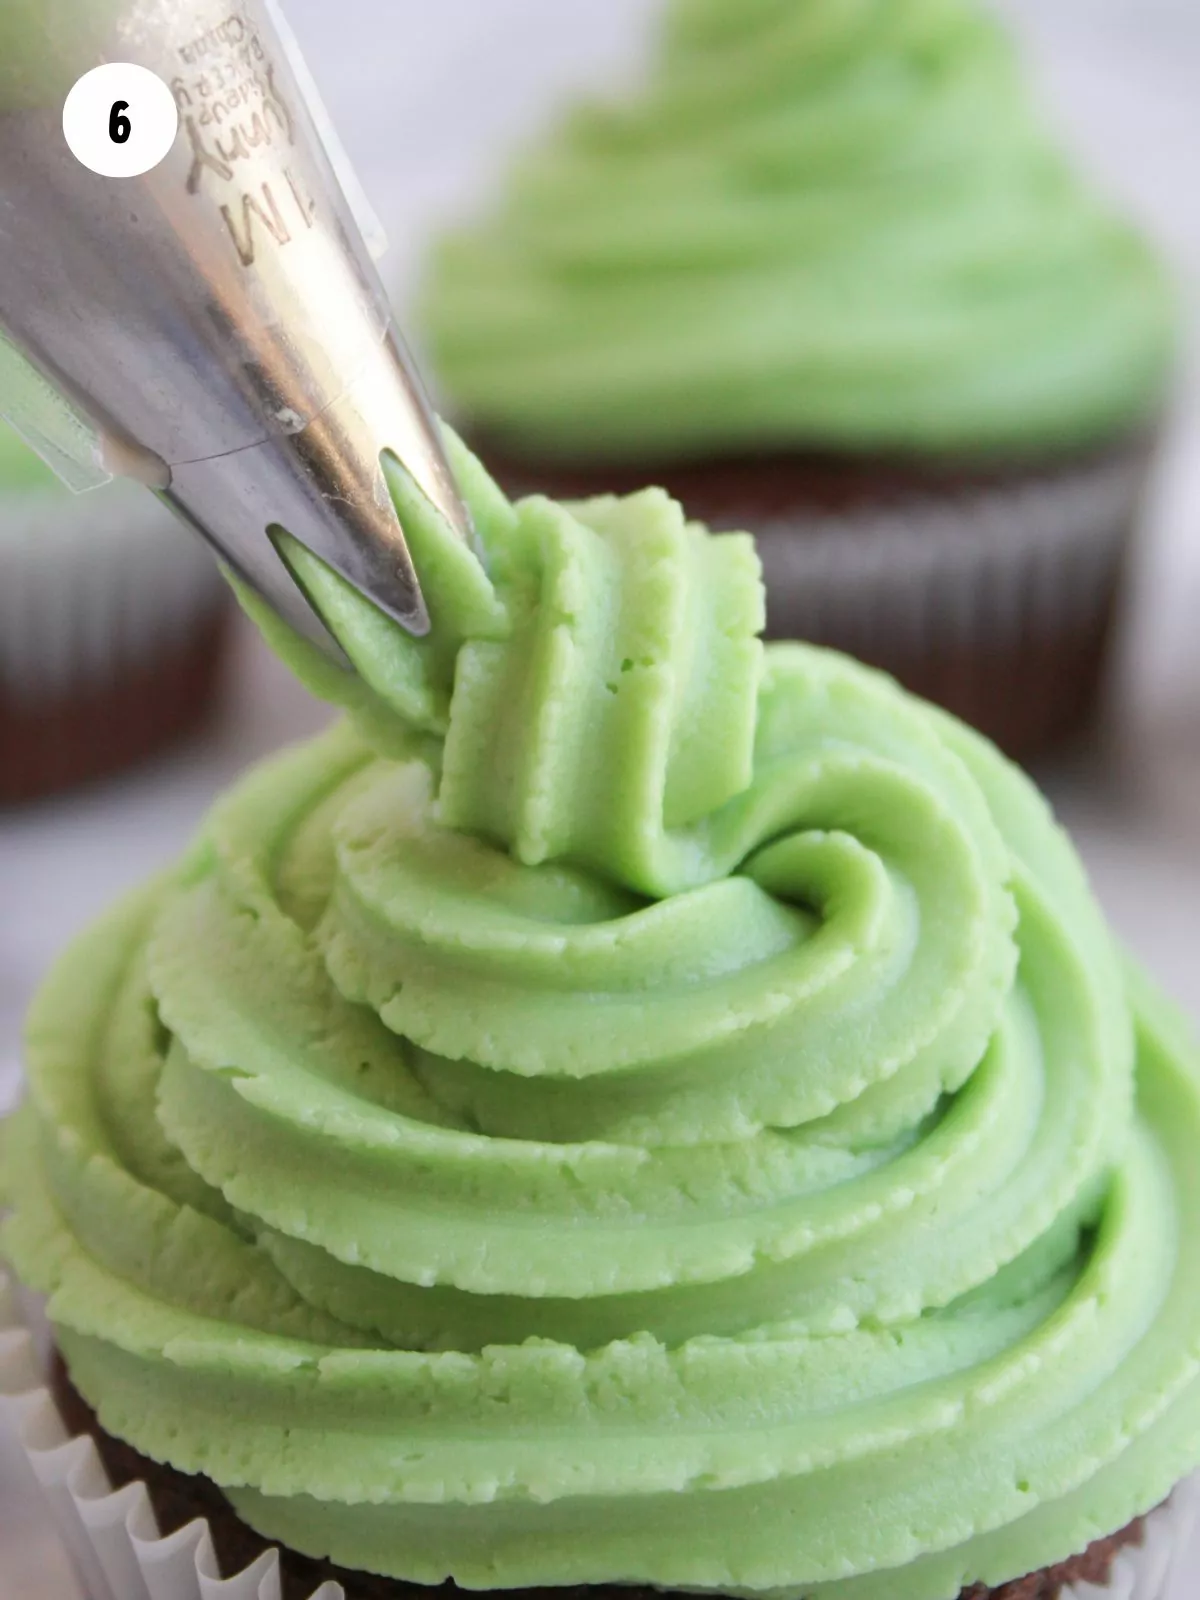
x=625, y=1105
x=838, y=224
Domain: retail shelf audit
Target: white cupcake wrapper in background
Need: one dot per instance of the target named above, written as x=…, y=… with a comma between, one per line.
x=114, y=1544
x=93, y=584
x=992, y=566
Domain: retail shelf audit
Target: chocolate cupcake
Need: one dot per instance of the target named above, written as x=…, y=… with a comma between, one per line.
x=112, y=619
x=828, y=279
x=628, y=1109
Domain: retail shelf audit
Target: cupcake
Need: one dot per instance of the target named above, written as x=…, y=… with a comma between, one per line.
x=828, y=278
x=628, y=1106
x=111, y=620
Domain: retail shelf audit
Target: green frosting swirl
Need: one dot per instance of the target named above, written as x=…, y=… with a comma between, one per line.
x=625, y=1105
x=833, y=225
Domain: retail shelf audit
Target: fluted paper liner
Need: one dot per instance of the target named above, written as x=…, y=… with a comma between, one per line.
x=111, y=1537
x=989, y=565
x=113, y=1541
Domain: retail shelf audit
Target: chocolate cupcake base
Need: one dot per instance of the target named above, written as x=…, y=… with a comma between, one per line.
x=57, y=740
x=113, y=620
x=992, y=591
x=178, y=1498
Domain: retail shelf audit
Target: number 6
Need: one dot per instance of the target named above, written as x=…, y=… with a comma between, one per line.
x=119, y=127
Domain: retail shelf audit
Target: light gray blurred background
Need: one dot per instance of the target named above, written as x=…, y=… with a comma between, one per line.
x=431, y=97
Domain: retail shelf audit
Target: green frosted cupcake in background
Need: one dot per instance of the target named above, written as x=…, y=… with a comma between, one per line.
x=112, y=619
x=828, y=277
x=630, y=1110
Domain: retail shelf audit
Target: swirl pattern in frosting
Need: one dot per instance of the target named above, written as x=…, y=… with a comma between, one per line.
x=838, y=225
x=626, y=1105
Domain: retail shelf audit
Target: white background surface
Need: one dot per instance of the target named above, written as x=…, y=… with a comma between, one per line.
x=430, y=96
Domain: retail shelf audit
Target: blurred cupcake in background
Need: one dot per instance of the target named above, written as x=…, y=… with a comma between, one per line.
x=829, y=278
x=111, y=624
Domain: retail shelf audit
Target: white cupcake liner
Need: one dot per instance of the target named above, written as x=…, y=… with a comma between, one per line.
x=112, y=1539
x=93, y=585
x=998, y=567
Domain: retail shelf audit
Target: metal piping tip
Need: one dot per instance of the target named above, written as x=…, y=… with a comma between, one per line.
x=325, y=486
x=222, y=312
